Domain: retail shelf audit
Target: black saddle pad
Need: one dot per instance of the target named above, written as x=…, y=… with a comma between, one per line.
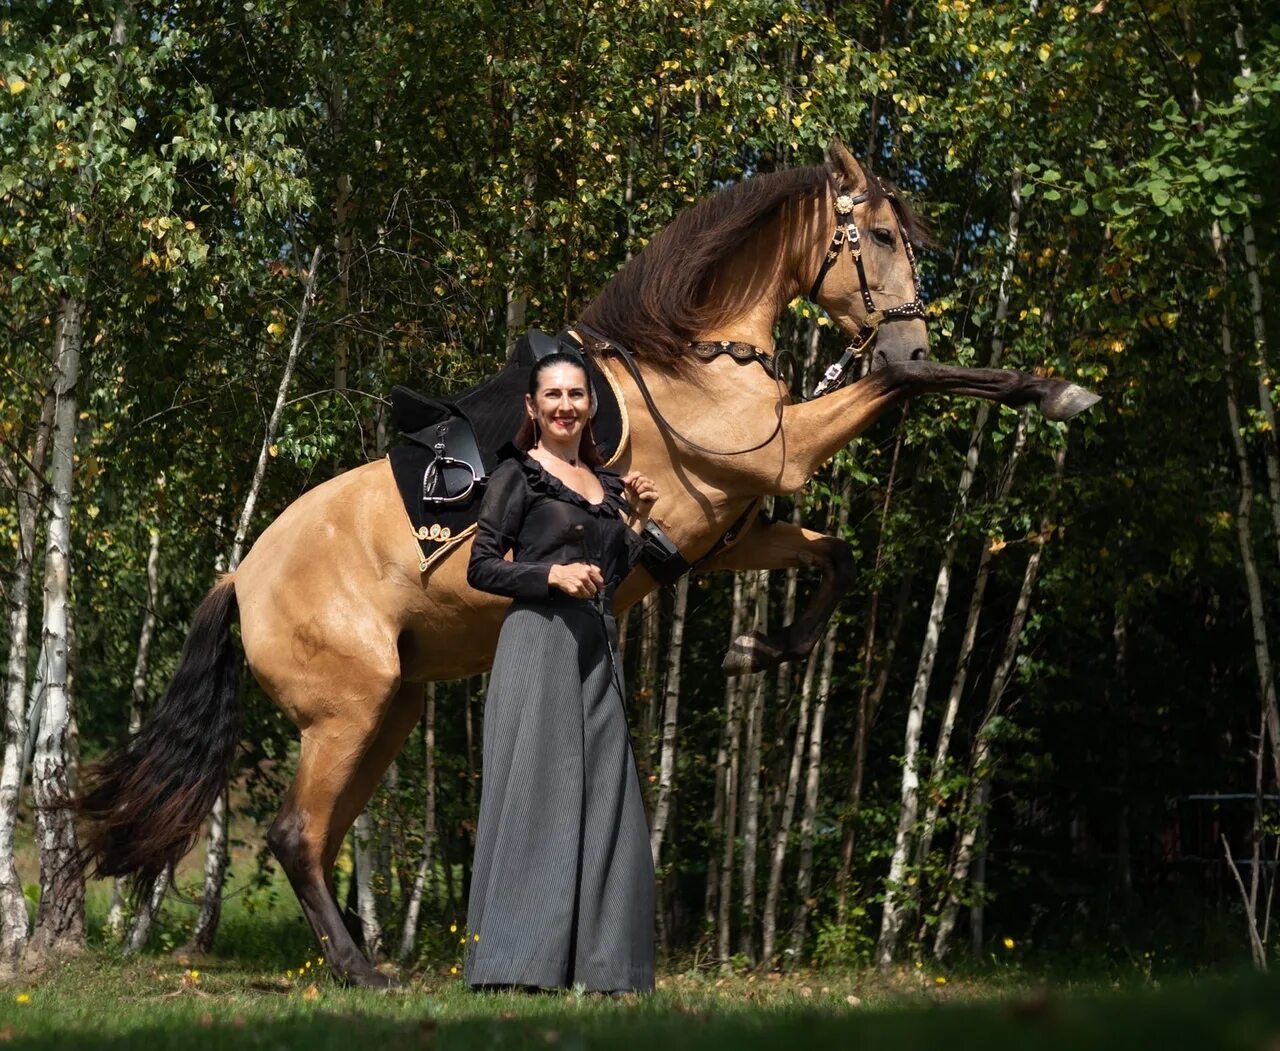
x=495, y=410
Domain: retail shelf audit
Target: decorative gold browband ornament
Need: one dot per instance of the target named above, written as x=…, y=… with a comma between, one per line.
x=436, y=532
x=844, y=204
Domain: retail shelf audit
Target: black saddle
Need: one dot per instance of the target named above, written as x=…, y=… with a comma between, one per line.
x=452, y=444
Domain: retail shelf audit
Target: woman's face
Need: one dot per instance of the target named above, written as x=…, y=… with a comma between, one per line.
x=562, y=404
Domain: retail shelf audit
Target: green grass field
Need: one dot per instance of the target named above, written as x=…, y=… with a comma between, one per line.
x=264, y=988
x=97, y=1002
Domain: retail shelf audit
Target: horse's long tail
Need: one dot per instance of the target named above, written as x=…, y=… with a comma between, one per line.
x=147, y=799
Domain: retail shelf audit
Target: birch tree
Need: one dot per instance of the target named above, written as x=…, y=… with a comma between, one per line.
x=981, y=762
x=893, y=917
x=14, y=920
x=427, y=863
x=60, y=917
x=137, y=697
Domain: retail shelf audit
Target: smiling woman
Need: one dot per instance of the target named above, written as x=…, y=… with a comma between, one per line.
x=562, y=887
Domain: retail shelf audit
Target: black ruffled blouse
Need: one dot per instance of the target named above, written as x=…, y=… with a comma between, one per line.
x=531, y=513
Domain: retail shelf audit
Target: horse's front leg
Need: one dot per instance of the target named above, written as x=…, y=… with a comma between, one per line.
x=780, y=545
x=1057, y=399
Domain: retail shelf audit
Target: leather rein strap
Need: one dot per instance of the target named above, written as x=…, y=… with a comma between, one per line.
x=600, y=341
x=846, y=236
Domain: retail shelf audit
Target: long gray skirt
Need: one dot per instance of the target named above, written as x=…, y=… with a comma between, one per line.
x=562, y=890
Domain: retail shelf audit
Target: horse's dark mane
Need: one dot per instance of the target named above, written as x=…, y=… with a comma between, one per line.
x=657, y=303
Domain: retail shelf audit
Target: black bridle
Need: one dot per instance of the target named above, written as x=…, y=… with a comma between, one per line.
x=846, y=235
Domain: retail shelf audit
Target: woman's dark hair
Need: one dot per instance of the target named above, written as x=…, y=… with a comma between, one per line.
x=527, y=437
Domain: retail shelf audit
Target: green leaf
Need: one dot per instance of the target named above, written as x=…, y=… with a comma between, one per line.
x=1079, y=206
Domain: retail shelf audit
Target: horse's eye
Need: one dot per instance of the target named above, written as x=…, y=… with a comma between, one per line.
x=883, y=236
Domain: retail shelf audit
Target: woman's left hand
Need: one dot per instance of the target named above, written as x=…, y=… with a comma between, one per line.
x=641, y=494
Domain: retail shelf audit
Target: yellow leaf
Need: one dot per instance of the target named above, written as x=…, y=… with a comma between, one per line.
x=997, y=545
x=1044, y=51
x=273, y=450
x=17, y=86
x=275, y=328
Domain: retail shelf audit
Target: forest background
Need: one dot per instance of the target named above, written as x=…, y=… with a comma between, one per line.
x=1045, y=720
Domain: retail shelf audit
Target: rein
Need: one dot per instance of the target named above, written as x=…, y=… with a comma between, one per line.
x=601, y=341
x=846, y=235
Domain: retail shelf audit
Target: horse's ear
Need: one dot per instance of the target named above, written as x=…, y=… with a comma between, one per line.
x=846, y=166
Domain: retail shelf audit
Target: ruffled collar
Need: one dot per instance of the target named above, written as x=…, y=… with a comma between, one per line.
x=541, y=480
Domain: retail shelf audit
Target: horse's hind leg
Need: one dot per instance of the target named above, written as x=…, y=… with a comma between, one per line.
x=343, y=757
x=781, y=545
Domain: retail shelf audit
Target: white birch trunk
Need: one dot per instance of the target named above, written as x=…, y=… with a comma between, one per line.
x=138, y=694
x=980, y=766
x=409, y=935
x=751, y=784
x=782, y=835
x=866, y=706
x=670, y=724
x=1244, y=532
x=14, y=920
x=143, y=921
x=60, y=918
x=941, y=754
x=647, y=691
x=1257, y=314
x=712, y=897
x=217, y=857
x=809, y=820
x=734, y=689
x=364, y=849
x=894, y=916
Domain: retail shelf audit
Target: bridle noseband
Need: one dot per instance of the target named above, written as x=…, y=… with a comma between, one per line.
x=846, y=235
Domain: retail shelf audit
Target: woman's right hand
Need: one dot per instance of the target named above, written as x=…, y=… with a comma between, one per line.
x=578, y=579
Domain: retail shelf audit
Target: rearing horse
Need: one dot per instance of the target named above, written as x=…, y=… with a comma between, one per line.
x=343, y=631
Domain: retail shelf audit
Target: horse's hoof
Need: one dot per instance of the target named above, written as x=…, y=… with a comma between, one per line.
x=367, y=977
x=750, y=653
x=1068, y=400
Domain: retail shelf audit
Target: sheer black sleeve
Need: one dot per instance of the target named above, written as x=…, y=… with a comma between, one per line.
x=501, y=514
x=615, y=496
x=635, y=547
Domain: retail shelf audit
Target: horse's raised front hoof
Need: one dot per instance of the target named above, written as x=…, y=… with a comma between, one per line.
x=1065, y=400
x=754, y=652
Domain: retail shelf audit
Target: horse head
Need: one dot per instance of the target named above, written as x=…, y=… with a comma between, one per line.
x=866, y=278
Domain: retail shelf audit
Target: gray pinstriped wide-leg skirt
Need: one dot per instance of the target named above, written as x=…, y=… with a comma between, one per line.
x=562, y=890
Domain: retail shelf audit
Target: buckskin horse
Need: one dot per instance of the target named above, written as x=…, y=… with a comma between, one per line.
x=343, y=629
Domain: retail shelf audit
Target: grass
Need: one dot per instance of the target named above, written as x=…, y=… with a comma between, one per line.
x=258, y=991
x=100, y=1002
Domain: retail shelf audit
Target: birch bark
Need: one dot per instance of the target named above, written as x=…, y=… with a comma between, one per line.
x=712, y=897
x=60, y=917
x=893, y=918
x=734, y=689
x=866, y=710
x=1244, y=532
x=670, y=723
x=980, y=766
x=968, y=641
x=14, y=920
x=138, y=694
x=751, y=784
x=409, y=934
x=809, y=820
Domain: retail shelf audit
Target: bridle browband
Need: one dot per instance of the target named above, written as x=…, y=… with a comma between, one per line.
x=846, y=235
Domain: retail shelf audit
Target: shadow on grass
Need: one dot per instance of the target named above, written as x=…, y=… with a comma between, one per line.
x=1241, y=1013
